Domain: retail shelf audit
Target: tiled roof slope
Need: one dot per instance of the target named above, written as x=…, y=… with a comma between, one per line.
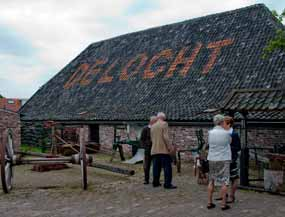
x=267, y=116
x=256, y=100
x=180, y=69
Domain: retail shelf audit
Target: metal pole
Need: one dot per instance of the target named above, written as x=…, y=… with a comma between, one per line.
x=44, y=160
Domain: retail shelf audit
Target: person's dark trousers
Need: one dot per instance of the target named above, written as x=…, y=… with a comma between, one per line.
x=159, y=161
x=156, y=169
x=147, y=164
x=166, y=164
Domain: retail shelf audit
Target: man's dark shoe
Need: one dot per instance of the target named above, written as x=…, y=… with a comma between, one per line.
x=156, y=185
x=146, y=182
x=170, y=187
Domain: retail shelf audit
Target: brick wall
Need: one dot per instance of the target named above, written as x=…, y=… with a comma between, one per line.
x=266, y=136
x=184, y=137
x=11, y=120
x=106, y=135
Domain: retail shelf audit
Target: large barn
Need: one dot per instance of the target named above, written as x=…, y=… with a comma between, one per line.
x=186, y=70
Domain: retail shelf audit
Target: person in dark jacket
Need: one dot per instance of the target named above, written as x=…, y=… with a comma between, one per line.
x=145, y=141
x=235, y=149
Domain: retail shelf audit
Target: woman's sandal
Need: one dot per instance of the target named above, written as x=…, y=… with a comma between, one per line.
x=211, y=206
x=225, y=207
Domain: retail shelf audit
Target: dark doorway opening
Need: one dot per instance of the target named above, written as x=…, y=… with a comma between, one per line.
x=94, y=133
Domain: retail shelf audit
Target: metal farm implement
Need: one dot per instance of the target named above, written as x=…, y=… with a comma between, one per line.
x=9, y=157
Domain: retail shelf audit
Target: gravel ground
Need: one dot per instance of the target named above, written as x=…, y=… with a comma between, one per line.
x=59, y=194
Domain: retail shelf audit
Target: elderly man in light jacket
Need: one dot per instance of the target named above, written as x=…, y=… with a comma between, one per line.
x=160, y=152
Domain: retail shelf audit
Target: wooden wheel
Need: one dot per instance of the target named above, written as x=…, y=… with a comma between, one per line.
x=83, y=160
x=7, y=153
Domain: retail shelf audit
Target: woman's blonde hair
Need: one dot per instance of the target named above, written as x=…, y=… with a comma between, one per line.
x=229, y=120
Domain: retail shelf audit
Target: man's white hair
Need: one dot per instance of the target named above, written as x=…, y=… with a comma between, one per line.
x=218, y=119
x=152, y=118
x=161, y=115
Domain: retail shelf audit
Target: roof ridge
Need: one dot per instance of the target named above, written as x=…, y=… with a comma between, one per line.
x=259, y=5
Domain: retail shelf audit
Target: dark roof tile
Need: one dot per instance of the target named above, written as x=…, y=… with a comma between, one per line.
x=252, y=100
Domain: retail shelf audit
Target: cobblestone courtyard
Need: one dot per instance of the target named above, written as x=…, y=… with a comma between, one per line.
x=59, y=194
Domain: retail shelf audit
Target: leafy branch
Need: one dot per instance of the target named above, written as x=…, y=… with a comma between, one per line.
x=278, y=42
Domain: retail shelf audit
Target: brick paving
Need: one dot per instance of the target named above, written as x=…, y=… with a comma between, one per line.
x=58, y=194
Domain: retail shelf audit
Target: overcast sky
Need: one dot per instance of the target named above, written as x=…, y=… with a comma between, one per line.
x=39, y=37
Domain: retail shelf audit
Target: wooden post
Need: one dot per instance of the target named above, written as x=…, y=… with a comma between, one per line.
x=53, y=141
x=121, y=151
x=83, y=160
x=244, y=158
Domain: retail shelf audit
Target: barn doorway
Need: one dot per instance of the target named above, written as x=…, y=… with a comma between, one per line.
x=94, y=133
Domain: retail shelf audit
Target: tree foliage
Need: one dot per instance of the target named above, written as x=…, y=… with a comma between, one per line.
x=278, y=42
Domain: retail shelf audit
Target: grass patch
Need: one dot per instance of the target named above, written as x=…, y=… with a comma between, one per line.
x=27, y=148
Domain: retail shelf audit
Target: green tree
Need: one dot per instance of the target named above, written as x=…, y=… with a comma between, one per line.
x=278, y=42
x=1, y=96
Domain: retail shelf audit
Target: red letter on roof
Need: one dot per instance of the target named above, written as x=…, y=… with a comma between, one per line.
x=216, y=46
x=180, y=59
x=93, y=71
x=107, y=78
x=76, y=76
x=124, y=74
x=148, y=73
